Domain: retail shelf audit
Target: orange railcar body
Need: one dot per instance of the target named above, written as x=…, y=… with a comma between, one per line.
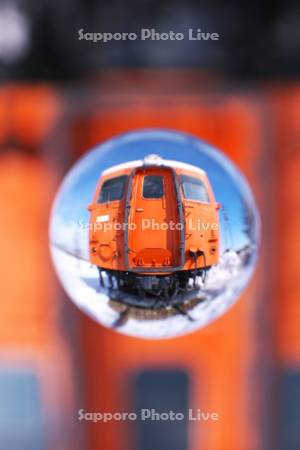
x=156, y=223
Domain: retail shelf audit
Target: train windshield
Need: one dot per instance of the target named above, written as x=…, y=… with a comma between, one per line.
x=153, y=186
x=194, y=189
x=113, y=189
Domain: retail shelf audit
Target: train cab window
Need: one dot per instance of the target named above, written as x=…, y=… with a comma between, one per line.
x=194, y=189
x=153, y=186
x=112, y=189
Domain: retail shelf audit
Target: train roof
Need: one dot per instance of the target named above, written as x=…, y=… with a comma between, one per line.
x=153, y=160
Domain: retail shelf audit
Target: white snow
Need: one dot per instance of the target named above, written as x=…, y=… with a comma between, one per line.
x=222, y=287
x=164, y=162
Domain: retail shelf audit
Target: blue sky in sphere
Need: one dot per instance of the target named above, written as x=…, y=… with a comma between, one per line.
x=229, y=186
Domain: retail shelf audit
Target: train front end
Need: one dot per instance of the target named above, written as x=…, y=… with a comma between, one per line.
x=154, y=229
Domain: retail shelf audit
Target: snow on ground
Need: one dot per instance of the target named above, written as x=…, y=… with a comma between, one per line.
x=222, y=287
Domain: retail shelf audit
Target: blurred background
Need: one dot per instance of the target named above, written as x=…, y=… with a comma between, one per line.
x=58, y=97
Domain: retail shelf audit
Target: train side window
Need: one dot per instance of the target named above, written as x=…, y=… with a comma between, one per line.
x=161, y=390
x=153, y=186
x=194, y=189
x=289, y=415
x=21, y=411
x=112, y=189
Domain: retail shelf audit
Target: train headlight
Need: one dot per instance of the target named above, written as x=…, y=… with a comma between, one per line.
x=213, y=249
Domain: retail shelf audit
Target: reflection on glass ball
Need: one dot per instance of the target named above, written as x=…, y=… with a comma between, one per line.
x=154, y=233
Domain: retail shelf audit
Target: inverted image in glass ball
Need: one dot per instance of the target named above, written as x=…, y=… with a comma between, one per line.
x=154, y=233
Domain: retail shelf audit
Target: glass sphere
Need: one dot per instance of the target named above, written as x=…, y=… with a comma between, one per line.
x=160, y=281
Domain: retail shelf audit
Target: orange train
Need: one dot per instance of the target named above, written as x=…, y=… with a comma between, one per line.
x=154, y=228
